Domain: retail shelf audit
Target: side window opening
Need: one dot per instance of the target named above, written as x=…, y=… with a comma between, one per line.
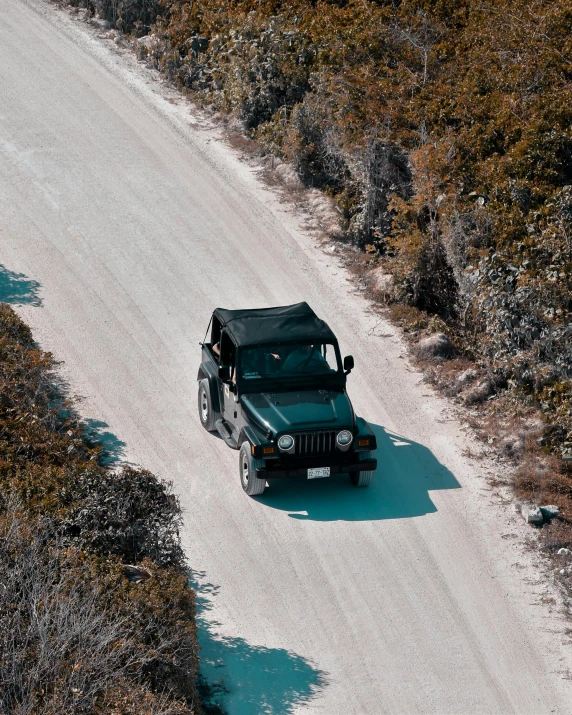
x=215, y=338
x=228, y=355
x=227, y=350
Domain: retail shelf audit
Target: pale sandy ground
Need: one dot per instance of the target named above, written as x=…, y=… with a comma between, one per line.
x=136, y=222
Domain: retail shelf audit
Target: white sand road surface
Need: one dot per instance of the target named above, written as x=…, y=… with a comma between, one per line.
x=123, y=222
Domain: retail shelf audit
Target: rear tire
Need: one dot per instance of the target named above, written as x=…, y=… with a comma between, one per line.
x=247, y=465
x=362, y=479
x=206, y=413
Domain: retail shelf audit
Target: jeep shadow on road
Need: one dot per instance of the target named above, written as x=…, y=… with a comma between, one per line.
x=241, y=678
x=406, y=473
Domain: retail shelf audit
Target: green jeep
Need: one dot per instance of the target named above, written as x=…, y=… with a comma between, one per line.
x=272, y=384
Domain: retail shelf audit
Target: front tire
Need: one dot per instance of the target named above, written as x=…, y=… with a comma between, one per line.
x=247, y=465
x=362, y=479
x=206, y=413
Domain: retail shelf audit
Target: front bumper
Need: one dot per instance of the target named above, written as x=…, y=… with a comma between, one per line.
x=275, y=469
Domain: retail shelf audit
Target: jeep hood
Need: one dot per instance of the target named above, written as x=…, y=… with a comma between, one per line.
x=299, y=411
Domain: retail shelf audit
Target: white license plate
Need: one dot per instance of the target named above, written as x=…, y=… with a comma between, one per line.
x=318, y=473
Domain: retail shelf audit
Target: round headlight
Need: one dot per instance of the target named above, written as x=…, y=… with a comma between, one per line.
x=344, y=438
x=285, y=442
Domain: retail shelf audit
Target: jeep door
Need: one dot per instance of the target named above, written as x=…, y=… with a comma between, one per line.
x=227, y=390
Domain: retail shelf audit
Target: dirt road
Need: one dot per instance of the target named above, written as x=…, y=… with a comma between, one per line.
x=124, y=221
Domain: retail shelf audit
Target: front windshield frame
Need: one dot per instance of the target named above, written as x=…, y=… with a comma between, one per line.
x=275, y=377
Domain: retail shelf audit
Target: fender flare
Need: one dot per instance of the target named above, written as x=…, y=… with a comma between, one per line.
x=364, y=430
x=206, y=372
x=252, y=434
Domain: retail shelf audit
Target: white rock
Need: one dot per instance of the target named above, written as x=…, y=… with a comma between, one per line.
x=381, y=280
x=478, y=393
x=531, y=513
x=467, y=376
x=437, y=345
x=148, y=41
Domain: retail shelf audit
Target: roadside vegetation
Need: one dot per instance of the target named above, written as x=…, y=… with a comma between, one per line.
x=442, y=131
x=96, y=614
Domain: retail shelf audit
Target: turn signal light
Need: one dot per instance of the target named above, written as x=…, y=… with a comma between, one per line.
x=363, y=442
x=268, y=450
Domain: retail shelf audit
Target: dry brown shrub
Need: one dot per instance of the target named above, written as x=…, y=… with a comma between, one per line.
x=76, y=635
x=68, y=639
x=409, y=318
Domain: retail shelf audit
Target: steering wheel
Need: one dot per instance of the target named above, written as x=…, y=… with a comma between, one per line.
x=307, y=362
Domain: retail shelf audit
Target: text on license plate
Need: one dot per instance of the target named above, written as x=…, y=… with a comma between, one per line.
x=318, y=472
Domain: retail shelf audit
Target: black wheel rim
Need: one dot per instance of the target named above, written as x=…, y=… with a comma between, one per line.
x=204, y=406
x=244, y=471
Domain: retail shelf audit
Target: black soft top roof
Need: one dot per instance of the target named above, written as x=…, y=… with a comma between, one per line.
x=261, y=326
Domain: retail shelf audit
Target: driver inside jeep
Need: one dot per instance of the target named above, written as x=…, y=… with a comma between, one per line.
x=304, y=358
x=288, y=361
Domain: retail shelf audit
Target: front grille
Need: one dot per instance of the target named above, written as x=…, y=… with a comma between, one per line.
x=318, y=443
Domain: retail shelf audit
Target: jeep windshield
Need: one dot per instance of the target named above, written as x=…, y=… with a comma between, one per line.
x=289, y=363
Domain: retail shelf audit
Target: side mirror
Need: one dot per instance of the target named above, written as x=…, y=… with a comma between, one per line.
x=224, y=373
x=348, y=363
